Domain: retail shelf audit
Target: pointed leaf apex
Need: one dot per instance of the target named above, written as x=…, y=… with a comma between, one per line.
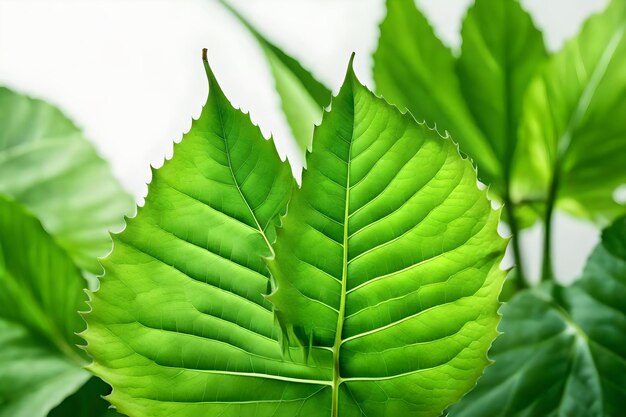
x=213, y=84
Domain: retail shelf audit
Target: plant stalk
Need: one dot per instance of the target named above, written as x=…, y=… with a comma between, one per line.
x=520, y=278
x=547, y=268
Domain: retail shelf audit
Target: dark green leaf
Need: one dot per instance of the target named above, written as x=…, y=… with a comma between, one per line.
x=563, y=353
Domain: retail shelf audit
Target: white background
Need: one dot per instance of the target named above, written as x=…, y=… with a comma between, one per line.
x=129, y=72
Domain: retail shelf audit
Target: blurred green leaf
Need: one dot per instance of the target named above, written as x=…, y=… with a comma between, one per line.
x=181, y=324
x=573, y=135
x=477, y=97
x=563, y=352
x=47, y=165
x=302, y=96
x=501, y=52
x=40, y=294
x=414, y=70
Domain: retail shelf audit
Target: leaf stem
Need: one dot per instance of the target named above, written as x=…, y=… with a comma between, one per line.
x=520, y=279
x=547, y=269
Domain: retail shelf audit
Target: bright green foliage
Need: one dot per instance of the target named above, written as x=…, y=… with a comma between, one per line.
x=573, y=137
x=389, y=256
x=40, y=294
x=47, y=165
x=303, y=97
x=180, y=325
x=564, y=353
x=477, y=97
x=500, y=54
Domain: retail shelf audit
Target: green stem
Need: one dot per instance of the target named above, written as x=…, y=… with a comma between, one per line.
x=520, y=279
x=547, y=269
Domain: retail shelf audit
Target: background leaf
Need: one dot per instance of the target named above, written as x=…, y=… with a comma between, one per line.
x=414, y=70
x=389, y=257
x=47, y=165
x=40, y=294
x=302, y=96
x=501, y=52
x=573, y=138
x=564, y=353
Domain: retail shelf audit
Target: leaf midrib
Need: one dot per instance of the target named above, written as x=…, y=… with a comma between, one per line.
x=344, y=276
x=236, y=183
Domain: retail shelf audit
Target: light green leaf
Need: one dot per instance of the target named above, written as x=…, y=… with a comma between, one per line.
x=389, y=257
x=302, y=96
x=502, y=50
x=180, y=325
x=414, y=70
x=47, y=165
x=562, y=354
x=40, y=294
x=573, y=136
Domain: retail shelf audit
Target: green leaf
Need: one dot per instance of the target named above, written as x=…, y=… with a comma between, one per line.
x=47, y=165
x=180, y=325
x=477, y=98
x=40, y=294
x=573, y=136
x=501, y=52
x=87, y=402
x=389, y=257
x=414, y=70
x=562, y=354
x=302, y=96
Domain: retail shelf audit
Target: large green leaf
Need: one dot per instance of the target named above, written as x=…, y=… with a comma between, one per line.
x=40, y=294
x=573, y=135
x=414, y=70
x=389, y=257
x=562, y=354
x=302, y=96
x=180, y=325
x=48, y=166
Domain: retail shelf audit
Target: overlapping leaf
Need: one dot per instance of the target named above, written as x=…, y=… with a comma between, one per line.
x=477, y=97
x=180, y=325
x=562, y=353
x=40, y=294
x=47, y=165
x=573, y=136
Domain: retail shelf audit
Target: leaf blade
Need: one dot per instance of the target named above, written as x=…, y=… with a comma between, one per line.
x=352, y=249
x=202, y=332
x=64, y=173
x=414, y=70
x=561, y=353
x=570, y=137
x=40, y=294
